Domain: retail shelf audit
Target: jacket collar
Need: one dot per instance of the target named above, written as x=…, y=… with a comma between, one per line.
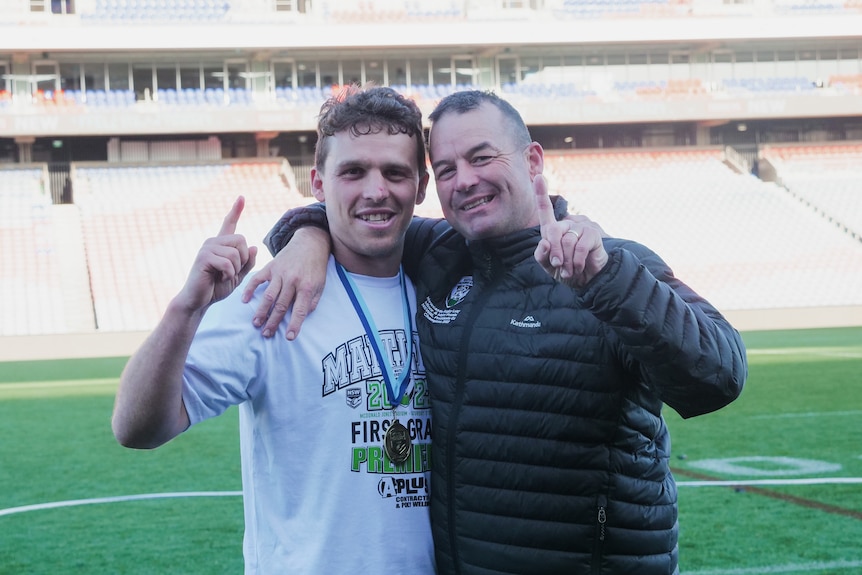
x=493, y=255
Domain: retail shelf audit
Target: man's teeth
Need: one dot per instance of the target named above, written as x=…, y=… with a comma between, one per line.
x=375, y=217
x=474, y=204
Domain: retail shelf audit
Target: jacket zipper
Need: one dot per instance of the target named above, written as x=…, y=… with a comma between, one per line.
x=463, y=355
x=598, y=546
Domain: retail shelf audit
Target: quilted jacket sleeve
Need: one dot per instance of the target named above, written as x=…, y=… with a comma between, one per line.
x=687, y=352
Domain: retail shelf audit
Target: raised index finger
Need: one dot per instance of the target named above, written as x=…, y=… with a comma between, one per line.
x=543, y=202
x=228, y=225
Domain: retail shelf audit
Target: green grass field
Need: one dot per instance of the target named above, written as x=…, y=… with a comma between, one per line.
x=791, y=446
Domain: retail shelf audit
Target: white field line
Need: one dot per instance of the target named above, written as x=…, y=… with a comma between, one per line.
x=118, y=499
x=754, y=482
x=124, y=498
x=832, y=566
x=852, y=352
x=54, y=384
x=807, y=414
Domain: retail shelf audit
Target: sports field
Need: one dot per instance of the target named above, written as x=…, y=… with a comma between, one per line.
x=772, y=484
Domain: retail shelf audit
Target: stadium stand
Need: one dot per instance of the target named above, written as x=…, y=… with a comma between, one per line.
x=144, y=224
x=728, y=234
x=713, y=132
x=43, y=284
x=826, y=177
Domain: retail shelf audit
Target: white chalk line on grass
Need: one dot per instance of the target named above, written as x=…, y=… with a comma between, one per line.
x=777, y=569
x=124, y=498
x=753, y=482
x=118, y=499
x=852, y=412
x=849, y=352
x=766, y=570
x=53, y=384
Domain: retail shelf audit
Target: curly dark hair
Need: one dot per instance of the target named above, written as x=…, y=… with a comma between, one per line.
x=369, y=110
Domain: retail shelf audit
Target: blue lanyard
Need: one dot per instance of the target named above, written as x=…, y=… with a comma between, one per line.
x=374, y=338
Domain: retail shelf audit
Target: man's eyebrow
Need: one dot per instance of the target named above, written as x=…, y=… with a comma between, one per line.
x=469, y=153
x=366, y=165
x=349, y=164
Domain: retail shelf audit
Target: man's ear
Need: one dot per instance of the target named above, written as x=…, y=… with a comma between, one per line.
x=535, y=158
x=423, y=188
x=317, y=185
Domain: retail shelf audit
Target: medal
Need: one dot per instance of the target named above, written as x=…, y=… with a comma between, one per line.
x=397, y=442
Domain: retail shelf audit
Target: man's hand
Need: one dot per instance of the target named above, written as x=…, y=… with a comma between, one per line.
x=296, y=278
x=571, y=250
x=220, y=266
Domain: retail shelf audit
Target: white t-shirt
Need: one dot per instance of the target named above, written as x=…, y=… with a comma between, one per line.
x=320, y=496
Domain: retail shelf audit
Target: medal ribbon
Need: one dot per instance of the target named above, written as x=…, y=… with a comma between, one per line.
x=374, y=338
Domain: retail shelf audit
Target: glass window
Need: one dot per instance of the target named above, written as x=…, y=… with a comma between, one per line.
x=529, y=66
x=764, y=63
x=419, y=72
x=300, y=6
x=213, y=76
x=351, y=71
x=306, y=74
x=441, y=68
x=466, y=72
x=638, y=59
x=397, y=72
x=848, y=61
x=142, y=81
x=743, y=66
x=616, y=67
x=329, y=74
x=819, y=66
x=190, y=77
x=786, y=64
x=282, y=73
x=70, y=76
x=118, y=77
x=659, y=66
x=638, y=70
x=507, y=70
x=5, y=84
x=594, y=60
x=47, y=76
x=62, y=7
x=95, y=77
x=375, y=71
x=680, y=66
x=722, y=67
x=237, y=75
x=166, y=77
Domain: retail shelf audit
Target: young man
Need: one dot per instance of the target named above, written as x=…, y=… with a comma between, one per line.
x=334, y=427
x=550, y=351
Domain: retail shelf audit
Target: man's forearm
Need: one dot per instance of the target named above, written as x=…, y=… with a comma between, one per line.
x=292, y=220
x=315, y=215
x=149, y=409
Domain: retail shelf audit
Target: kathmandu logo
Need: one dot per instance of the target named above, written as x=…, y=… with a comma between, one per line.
x=459, y=292
x=528, y=321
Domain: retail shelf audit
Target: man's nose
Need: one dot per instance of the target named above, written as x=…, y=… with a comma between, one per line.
x=377, y=188
x=465, y=177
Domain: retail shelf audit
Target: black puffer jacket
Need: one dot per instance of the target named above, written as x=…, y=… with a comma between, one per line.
x=550, y=455
x=550, y=452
